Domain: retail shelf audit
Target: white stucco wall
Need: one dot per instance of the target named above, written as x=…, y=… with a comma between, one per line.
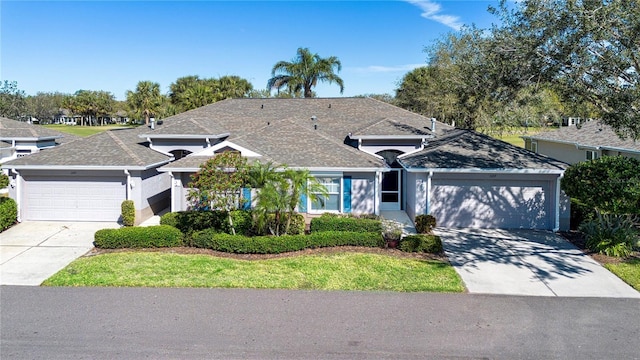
x=168, y=145
x=362, y=192
x=374, y=146
x=563, y=152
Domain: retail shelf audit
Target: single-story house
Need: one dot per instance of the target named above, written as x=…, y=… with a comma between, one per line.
x=370, y=155
x=19, y=139
x=586, y=140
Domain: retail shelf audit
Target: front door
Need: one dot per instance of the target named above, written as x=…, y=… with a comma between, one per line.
x=391, y=190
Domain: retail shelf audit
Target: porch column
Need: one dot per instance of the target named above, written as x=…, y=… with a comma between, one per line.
x=429, y=176
x=173, y=192
x=377, y=186
x=556, y=217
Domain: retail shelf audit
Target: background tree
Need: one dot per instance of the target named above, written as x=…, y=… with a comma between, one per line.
x=45, y=106
x=191, y=91
x=12, y=100
x=587, y=48
x=90, y=104
x=218, y=184
x=146, y=101
x=304, y=72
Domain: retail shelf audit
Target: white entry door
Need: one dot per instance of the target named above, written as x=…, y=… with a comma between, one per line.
x=391, y=190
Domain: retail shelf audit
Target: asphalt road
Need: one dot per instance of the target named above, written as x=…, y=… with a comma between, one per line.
x=133, y=323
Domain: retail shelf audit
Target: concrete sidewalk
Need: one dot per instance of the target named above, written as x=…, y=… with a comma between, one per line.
x=527, y=262
x=32, y=251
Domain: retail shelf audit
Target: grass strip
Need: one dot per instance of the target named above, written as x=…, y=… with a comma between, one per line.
x=340, y=271
x=628, y=271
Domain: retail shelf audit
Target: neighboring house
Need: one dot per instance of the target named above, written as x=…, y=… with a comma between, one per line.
x=19, y=139
x=370, y=155
x=585, y=141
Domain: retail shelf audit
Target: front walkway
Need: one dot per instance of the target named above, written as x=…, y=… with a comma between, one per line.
x=401, y=218
x=32, y=251
x=527, y=262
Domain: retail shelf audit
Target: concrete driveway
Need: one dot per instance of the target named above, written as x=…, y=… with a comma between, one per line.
x=32, y=251
x=527, y=262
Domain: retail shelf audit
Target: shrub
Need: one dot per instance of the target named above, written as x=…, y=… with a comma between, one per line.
x=391, y=230
x=242, y=222
x=425, y=223
x=138, y=237
x=580, y=213
x=8, y=213
x=128, y=210
x=421, y=243
x=189, y=222
x=278, y=244
x=296, y=227
x=612, y=235
x=4, y=180
x=336, y=223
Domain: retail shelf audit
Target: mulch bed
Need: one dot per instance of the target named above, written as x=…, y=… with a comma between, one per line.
x=331, y=250
x=577, y=239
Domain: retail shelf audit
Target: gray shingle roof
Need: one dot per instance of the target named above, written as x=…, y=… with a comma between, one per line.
x=13, y=129
x=336, y=117
x=114, y=148
x=287, y=143
x=466, y=149
x=591, y=133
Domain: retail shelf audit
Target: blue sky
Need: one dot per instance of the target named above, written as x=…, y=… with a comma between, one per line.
x=111, y=45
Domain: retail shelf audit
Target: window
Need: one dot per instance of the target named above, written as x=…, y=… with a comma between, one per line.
x=592, y=155
x=531, y=145
x=331, y=202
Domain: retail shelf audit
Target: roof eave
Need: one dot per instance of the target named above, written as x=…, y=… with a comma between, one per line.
x=484, y=171
x=183, y=136
x=30, y=138
x=391, y=137
x=84, y=167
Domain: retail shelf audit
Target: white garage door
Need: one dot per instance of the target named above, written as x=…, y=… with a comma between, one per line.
x=491, y=204
x=74, y=199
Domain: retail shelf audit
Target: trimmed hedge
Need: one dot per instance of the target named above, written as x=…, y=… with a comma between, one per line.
x=352, y=224
x=8, y=212
x=191, y=221
x=138, y=237
x=421, y=243
x=239, y=244
x=128, y=212
x=425, y=223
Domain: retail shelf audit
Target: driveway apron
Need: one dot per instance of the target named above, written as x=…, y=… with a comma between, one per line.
x=527, y=262
x=32, y=251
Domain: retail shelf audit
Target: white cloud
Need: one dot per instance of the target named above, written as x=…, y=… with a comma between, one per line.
x=431, y=10
x=386, y=69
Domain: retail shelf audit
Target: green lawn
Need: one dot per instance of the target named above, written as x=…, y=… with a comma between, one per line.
x=629, y=271
x=338, y=271
x=513, y=136
x=83, y=130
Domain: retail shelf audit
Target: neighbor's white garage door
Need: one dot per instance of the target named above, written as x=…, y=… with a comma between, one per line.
x=73, y=199
x=500, y=204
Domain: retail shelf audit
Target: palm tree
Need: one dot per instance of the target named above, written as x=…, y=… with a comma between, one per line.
x=304, y=72
x=146, y=101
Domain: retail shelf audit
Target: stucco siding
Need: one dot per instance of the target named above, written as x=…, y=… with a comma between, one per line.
x=362, y=193
x=153, y=193
x=563, y=152
x=168, y=145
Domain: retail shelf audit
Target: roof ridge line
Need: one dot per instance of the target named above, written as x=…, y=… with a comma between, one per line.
x=125, y=148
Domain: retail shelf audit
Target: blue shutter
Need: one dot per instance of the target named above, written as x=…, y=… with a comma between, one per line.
x=302, y=204
x=246, y=196
x=346, y=194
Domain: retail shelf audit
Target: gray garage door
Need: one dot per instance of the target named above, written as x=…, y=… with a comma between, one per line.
x=491, y=204
x=73, y=199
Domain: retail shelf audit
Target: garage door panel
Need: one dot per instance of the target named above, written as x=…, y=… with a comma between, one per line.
x=77, y=199
x=478, y=204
